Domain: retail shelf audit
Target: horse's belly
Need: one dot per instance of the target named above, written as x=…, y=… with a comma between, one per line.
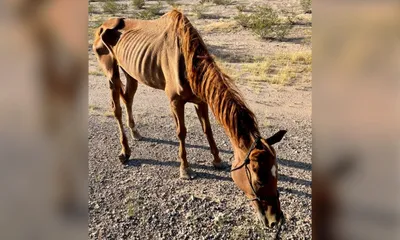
x=150, y=75
x=153, y=80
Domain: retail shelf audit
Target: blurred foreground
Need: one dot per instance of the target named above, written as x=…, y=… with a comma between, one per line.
x=356, y=117
x=43, y=125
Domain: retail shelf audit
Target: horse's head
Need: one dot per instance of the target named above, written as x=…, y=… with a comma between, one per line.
x=256, y=173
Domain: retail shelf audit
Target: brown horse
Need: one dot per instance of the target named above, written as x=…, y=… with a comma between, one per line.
x=169, y=54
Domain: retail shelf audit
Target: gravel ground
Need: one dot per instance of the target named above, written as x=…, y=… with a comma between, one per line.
x=145, y=199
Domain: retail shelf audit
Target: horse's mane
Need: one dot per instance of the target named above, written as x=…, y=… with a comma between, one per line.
x=211, y=85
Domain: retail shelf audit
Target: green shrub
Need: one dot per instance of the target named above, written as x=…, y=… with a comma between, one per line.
x=205, y=1
x=110, y=6
x=152, y=12
x=266, y=23
x=172, y=3
x=306, y=5
x=241, y=7
x=223, y=2
x=291, y=15
x=156, y=8
x=138, y=4
x=199, y=10
x=91, y=8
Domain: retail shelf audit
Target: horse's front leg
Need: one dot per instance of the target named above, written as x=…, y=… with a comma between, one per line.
x=178, y=111
x=202, y=113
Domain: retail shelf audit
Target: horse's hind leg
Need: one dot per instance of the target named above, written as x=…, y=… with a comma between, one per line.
x=116, y=88
x=131, y=87
x=202, y=113
x=178, y=111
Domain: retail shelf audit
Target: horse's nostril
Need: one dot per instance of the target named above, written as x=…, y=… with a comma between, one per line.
x=273, y=224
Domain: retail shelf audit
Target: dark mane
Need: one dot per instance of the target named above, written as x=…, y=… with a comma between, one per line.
x=213, y=86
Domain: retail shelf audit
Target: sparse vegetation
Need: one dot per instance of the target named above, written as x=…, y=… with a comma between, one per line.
x=108, y=114
x=241, y=7
x=91, y=8
x=221, y=26
x=266, y=23
x=204, y=1
x=96, y=73
x=280, y=69
x=130, y=210
x=152, y=12
x=156, y=8
x=172, y=3
x=110, y=6
x=138, y=4
x=222, y=2
x=306, y=5
x=290, y=14
x=199, y=10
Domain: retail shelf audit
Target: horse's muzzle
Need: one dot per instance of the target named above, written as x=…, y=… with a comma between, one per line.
x=271, y=221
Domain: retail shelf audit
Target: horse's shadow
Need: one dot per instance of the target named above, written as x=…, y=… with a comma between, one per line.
x=139, y=162
x=215, y=174
x=173, y=143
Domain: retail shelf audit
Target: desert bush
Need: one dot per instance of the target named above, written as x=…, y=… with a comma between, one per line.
x=110, y=6
x=241, y=7
x=172, y=3
x=156, y=8
x=266, y=23
x=91, y=8
x=306, y=5
x=152, y=12
x=139, y=4
x=204, y=1
x=290, y=14
x=222, y=2
x=199, y=10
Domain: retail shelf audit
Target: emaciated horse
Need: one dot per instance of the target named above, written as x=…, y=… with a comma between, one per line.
x=169, y=54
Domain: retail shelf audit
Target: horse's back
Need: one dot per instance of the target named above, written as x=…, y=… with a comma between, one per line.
x=149, y=52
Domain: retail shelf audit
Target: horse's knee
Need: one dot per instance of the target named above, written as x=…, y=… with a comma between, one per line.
x=111, y=85
x=181, y=133
x=207, y=130
x=117, y=111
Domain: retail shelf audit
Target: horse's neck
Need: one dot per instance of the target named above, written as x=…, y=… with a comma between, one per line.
x=237, y=119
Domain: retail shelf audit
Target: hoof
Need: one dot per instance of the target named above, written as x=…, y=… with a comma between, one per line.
x=187, y=174
x=123, y=158
x=136, y=135
x=218, y=165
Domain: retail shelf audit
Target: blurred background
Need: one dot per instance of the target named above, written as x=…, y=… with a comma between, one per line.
x=356, y=64
x=43, y=124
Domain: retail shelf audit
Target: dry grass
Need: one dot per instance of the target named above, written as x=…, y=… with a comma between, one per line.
x=306, y=5
x=223, y=2
x=220, y=26
x=108, y=114
x=138, y=4
x=111, y=6
x=282, y=69
x=152, y=12
x=96, y=73
x=199, y=9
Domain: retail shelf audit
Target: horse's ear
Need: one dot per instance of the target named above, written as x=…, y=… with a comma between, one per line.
x=277, y=137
